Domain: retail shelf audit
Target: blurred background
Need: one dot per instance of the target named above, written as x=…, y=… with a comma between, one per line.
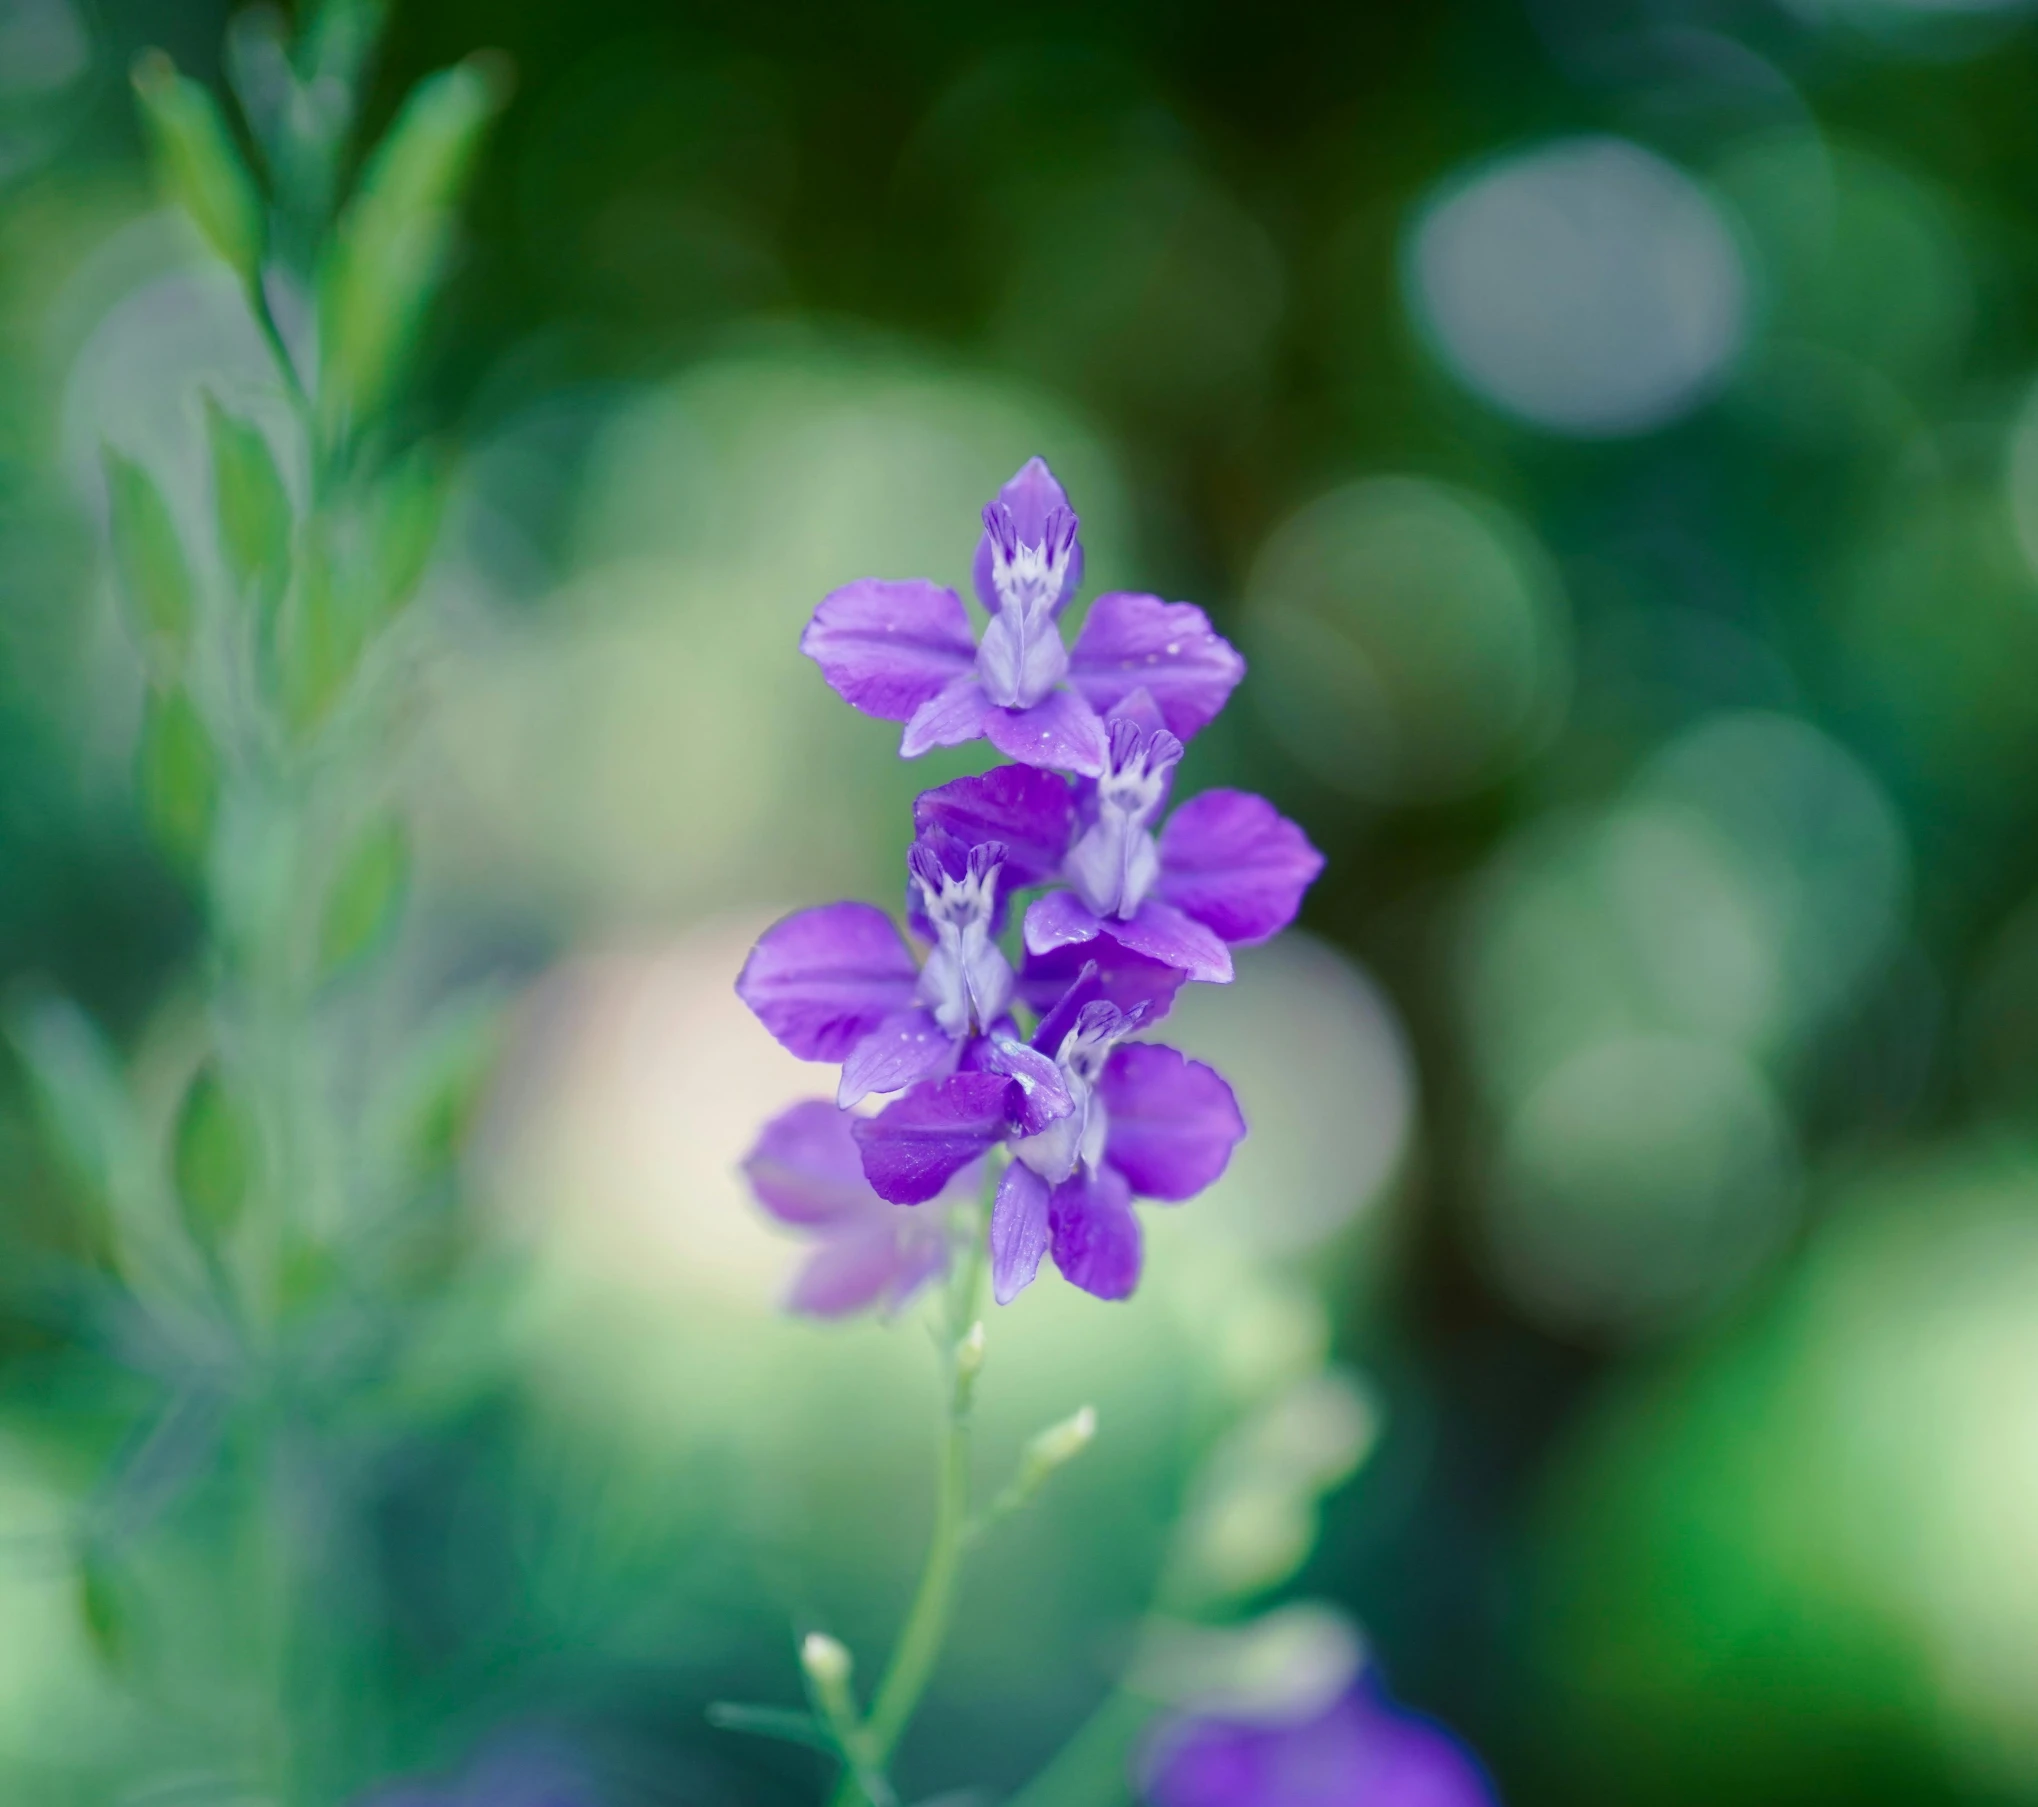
x=1609, y=429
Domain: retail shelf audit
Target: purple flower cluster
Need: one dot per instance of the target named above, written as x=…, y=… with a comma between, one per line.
x=1126, y=909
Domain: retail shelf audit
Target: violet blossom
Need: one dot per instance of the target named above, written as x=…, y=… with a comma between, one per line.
x=1362, y=1750
x=1091, y=1122
x=904, y=650
x=807, y=1171
x=840, y=983
x=1226, y=869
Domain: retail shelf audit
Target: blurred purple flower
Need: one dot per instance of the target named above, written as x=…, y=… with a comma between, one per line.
x=519, y=1776
x=807, y=1171
x=904, y=650
x=841, y=983
x=1227, y=869
x=1092, y=1122
x=1360, y=1751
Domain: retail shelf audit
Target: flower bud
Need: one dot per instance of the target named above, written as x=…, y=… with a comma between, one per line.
x=1058, y=1444
x=826, y=1661
x=969, y=1354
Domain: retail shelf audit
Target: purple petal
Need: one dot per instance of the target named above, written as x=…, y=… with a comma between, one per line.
x=1094, y=1234
x=1174, y=1121
x=806, y=1168
x=1021, y=657
x=1236, y=864
x=823, y=979
x=1131, y=642
x=904, y=1049
x=918, y=1143
x=1043, y=1093
x=1162, y=932
x=1360, y=1751
x=878, y=1264
x=1061, y=732
x=1060, y=919
x=1123, y=978
x=1029, y=810
x=947, y=719
x=1032, y=495
x=1018, y=1231
x=888, y=647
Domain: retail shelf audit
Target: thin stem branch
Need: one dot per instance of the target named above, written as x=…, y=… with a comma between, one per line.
x=919, y=1647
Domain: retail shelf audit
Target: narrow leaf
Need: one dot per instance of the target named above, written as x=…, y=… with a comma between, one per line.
x=252, y=505
x=150, y=558
x=321, y=637
x=79, y=1087
x=410, y=503
x=198, y=163
x=781, y=1723
x=364, y=897
x=179, y=774
x=387, y=255
x=214, y=1158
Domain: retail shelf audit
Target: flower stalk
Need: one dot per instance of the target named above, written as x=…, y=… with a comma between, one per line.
x=913, y=1659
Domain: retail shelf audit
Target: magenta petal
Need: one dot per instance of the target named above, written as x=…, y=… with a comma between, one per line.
x=1162, y=932
x=888, y=647
x=904, y=1049
x=1060, y=919
x=1029, y=811
x=821, y=980
x=1236, y=864
x=1018, y=1231
x=1061, y=732
x=1122, y=978
x=1032, y=495
x=806, y=1168
x=918, y=1143
x=1174, y=1121
x=954, y=715
x=1095, y=1234
x=1131, y=642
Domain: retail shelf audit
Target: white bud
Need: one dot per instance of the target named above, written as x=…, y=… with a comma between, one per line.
x=1061, y=1442
x=969, y=1353
x=825, y=1659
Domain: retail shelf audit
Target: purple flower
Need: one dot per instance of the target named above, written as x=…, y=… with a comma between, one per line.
x=840, y=983
x=1226, y=869
x=807, y=1171
x=1091, y=1120
x=904, y=650
x=517, y=1776
x=1361, y=1751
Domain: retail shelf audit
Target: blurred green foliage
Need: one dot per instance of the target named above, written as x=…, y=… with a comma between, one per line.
x=1608, y=427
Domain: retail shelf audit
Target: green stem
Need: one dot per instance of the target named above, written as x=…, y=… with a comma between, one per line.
x=919, y=1647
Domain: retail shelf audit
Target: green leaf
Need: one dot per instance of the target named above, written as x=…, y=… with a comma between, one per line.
x=365, y=896
x=409, y=505
x=252, y=504
x=198, y=163
x=79, y=1088
x=150, y=558
x=421, y=1111
x=386, y=257
x=179, y=774
x=101, y=1608
x=321, y=636
x=773, y=1722
x=214, y=1158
